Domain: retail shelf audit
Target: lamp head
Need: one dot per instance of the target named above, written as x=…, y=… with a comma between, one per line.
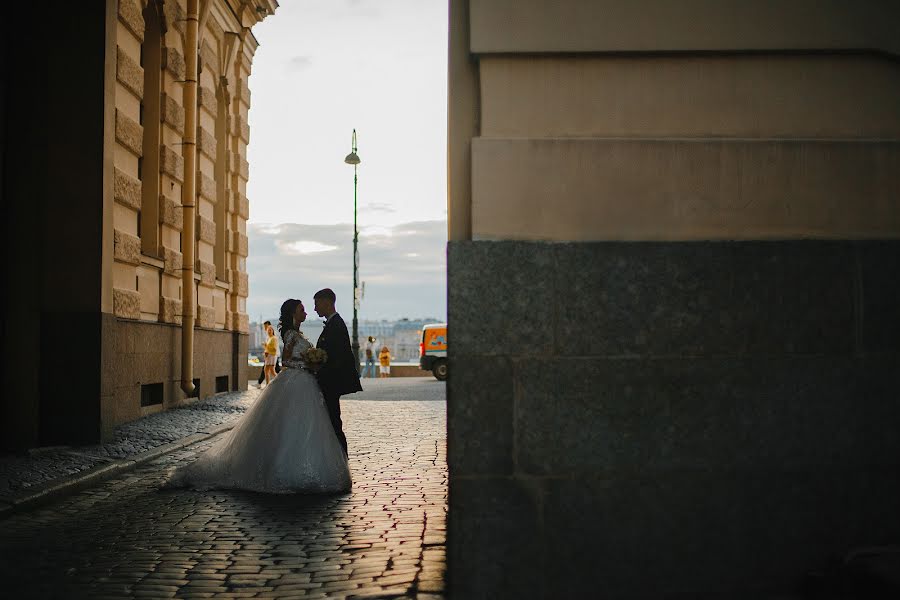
x=352, y=159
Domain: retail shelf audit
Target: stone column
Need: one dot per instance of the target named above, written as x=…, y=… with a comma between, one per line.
x=674, y=337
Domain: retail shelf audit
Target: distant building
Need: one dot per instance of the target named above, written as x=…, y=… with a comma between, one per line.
x=402, y=337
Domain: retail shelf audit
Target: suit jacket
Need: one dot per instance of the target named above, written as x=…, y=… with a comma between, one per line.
x=339, y=375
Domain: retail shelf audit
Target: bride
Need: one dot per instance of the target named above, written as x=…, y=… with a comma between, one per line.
x=285, y=443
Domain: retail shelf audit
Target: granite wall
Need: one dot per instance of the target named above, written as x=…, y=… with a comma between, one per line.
x=140, y=353
x=672, y=419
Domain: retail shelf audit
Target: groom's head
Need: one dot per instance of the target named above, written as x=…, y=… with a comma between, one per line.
x=324, y=302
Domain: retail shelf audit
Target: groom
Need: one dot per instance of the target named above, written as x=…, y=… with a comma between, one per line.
x=339, y=375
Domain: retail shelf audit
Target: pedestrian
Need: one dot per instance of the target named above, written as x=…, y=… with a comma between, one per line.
x=262, y=372
x=340, y=373
x=384, y=358
x=271, y=354
x=369, y=371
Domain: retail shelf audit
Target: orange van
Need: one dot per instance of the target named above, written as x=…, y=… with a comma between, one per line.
x=433, y=350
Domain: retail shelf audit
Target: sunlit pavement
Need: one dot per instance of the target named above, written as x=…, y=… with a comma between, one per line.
x=126, y=538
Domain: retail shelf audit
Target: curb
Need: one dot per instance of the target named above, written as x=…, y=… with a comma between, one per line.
x=55, y=488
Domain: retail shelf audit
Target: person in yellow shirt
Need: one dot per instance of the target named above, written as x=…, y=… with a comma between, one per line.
x=271, y=350
x=384, y=359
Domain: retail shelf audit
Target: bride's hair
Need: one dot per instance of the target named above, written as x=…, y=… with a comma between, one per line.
x=286, y=320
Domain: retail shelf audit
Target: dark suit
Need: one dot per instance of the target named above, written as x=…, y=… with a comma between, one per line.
x=339, y=375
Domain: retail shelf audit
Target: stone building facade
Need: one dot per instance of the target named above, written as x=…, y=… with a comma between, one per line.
x=705, y=198
x=97, y=152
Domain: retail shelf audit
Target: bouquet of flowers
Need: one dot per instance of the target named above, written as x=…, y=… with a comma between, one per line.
x=315, y=357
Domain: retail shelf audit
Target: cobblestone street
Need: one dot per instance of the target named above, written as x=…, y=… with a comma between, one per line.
x=126, y=538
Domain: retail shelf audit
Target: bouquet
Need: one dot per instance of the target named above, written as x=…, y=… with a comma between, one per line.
x=315, y=357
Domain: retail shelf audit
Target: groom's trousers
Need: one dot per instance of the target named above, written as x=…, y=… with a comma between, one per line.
x=333, y=403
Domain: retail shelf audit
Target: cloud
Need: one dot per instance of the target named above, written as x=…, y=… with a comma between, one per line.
x=298, y=63
x=382, y=207
x=404, y=267
x=303, y=247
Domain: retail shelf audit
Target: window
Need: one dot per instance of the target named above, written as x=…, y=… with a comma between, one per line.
x=151, y=394
x=222, y=384
x=151, y=60
x=221, y=172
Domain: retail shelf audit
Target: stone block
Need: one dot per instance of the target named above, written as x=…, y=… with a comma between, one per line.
x=517, y=276
x=240, y=284
x=173, y=261
x=244, y=207
x=206, y=230
x=238, y=165
x=240, y=244
x=152, y=365
x=239, y=204
x=242, y=323
x=171, y=213
x=644, y=536
x=241, y=128
x=126, y=304
x=879, y=296
x=206, y=98
x=171, y=163
x=206, y=143
x=129, y=73
x=592, y=416
x=170, y=310
x=175, y=16
x=753, y=531
x=703, y=298
x=206, y=187
x=230, y=322
x=172, y=113
x=245, y=93
x=126, y=247
x=501, y=518
x=215, y=29
x=697, y=188
x=206, y=317
x=207, y=273
x=130, y=16
x=480, y=411
x=127, y=400
x=126, y=190
x=129, y=133
x=208, y=57
x=173, y=61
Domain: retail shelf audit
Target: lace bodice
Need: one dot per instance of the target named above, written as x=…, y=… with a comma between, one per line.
x=301, y=345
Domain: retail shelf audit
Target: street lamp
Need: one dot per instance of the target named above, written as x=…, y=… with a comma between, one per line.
x=353, y=159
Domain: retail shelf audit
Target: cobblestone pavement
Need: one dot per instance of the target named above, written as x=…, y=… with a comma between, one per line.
x=126, y=538
x=20, y=472
x=25, y=470
x=402, y=388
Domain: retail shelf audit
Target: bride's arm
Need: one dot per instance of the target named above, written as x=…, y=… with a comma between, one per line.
x=289, y=346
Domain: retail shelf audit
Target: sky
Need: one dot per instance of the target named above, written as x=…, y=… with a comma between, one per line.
x=323, y=68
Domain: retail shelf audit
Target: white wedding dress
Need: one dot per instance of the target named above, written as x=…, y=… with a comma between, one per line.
x=283, y=444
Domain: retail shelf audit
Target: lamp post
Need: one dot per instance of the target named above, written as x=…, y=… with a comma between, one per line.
x=353, y=159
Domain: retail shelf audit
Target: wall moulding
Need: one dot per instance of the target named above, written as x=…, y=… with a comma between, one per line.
x=678, y=189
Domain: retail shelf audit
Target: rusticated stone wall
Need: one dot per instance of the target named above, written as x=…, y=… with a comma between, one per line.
x=154, y=275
